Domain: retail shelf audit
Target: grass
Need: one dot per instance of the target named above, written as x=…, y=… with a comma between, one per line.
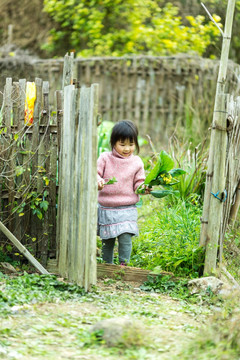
x=33, y=328
x=169, y=237
x=62, y=329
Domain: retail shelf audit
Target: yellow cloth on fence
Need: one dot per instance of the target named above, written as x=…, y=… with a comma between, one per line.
x=29, y=103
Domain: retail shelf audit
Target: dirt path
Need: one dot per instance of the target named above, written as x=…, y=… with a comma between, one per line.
x=61, y=330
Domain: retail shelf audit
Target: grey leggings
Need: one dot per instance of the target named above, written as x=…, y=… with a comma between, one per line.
x=124, y=248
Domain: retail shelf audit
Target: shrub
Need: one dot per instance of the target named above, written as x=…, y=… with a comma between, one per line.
x=97, y=28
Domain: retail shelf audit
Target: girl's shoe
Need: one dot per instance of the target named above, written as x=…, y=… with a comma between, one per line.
x=123, y=264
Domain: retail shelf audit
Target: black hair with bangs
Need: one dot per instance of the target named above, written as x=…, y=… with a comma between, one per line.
x=124, y=130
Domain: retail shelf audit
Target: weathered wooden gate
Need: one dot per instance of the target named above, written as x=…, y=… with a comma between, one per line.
x=28, y=170
x=77, y=202
x=48, y=175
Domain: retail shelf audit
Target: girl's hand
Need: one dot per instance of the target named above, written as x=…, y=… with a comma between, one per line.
x=147, y=190
x=101, y=184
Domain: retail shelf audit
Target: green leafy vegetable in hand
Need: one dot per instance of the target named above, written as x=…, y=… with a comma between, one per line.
x=162, y=174
x=111, y=181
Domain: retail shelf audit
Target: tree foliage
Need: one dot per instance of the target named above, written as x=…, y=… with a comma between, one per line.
x=101, y=28
x=218, y=7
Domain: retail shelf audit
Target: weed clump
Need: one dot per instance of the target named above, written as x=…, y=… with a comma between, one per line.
x=121, y=332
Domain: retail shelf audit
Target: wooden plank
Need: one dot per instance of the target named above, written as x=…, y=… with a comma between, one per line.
x=115, y=95
x=138, y=98
x=22, y=95
x=84, y=212
x=8, y=104
x=80, y=242
x=9, y=151
x=65, y=180
x=124, y=87
x=59, y=98
x=145, y=117
x=22, y=249
x=130, y=92
x=34, y=221
x=25, y=163
x=43, y=168
x=153, y=100
x=117, y=272
x=92, y=276
x=82, y=258
x=67, y=70
x=52, y=193
x=12, y=155
x=17, y=158
x=159, y=125
x=86, y=187
x=126, y=273
x=22, y=223
x=72, y=178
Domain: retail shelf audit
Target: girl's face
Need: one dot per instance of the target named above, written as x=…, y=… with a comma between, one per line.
x=125, y=147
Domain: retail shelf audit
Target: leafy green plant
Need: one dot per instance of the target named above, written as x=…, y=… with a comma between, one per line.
x=32, y=288
x=191, y=184
x=5, y=251
x=37, y=203
x=162, y=174
x=166, y=284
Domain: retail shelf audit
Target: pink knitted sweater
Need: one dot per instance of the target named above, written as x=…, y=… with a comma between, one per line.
x=129, y=173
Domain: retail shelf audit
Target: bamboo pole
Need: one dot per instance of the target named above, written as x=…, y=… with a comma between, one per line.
x=212, y=210
x=22, y=249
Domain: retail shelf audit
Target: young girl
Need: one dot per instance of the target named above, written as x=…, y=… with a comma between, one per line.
x=117, y=213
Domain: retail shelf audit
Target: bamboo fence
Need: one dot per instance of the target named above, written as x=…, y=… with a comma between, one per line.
x=160, y=94
x=215, y=188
